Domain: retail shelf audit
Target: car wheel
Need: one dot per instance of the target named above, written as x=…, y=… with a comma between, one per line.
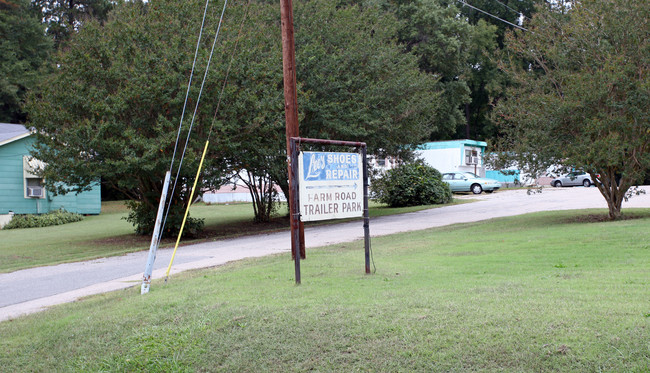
x=557, y=184
x=586, y=183
x=476, y=188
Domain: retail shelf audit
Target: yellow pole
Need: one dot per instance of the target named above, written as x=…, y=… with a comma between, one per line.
x=187, y=210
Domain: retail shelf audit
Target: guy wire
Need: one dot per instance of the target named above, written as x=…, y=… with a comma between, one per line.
x=189, y=132
x=232, y=58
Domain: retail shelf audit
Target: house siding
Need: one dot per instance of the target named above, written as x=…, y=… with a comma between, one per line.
x=11, y=182
x=12, y=187
x=502, y=176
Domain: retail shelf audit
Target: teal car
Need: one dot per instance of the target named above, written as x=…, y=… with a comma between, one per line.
x=469, y=182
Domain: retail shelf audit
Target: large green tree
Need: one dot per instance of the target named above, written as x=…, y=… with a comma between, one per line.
x=433, y=31
x=249, y=125
x=355, y=83
x=358, y=84
x=583, y=101
x=485, y=80
x=23, y=50
x=64, y=17
x=450, y=48
x=112, y=106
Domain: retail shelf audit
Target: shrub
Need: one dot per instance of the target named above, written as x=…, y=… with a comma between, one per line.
x=44, y=220
x=411, y=184
x=143, y=219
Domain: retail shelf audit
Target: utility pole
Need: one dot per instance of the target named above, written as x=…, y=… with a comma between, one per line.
x=290, y=111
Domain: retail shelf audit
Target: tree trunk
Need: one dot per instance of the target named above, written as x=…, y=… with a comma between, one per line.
x=467, y=121
x=261, y=191
x=284, y=187
x=613, y=191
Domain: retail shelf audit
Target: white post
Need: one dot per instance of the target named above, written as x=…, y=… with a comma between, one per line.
x=146, y=278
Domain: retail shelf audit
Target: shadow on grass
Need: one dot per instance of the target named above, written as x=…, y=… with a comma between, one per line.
x=246, y=227
x=604, y=217
x=209, y=233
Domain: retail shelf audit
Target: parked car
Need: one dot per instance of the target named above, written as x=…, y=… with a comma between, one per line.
x=469, y=182
x=575, y=178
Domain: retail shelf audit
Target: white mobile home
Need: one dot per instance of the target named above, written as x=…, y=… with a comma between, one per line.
x=454, y=155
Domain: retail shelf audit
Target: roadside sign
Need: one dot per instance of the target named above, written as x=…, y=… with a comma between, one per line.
x=328, y=185
x=331, y=185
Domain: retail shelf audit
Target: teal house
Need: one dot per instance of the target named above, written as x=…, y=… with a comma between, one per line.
x=464, y=156
x=22, y=192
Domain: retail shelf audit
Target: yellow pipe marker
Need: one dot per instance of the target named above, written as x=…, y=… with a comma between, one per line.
x=187, y=210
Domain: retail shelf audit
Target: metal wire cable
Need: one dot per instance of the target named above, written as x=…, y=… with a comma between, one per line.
x=180, y=124
x=232, y=58
x=187, y=93
x=516, y=11
x=491, y=15
x=189, y=132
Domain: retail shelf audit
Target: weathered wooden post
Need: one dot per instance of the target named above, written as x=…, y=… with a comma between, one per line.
x=290, y=109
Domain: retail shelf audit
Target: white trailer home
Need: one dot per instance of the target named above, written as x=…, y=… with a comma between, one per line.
x=454, y=155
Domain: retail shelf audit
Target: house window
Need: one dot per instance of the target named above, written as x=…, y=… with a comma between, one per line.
x=34, y=188
x=32, y=182
x=471, y=157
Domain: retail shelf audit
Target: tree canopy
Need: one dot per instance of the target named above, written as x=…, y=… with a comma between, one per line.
x=112, y=105
x=64, y=17
x=23, y=51
x=432, y=30
x=357, y=82
x=583, y=101
x=354, y=83
x=485, y=80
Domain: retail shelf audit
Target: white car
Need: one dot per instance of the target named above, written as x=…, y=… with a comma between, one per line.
x=575, y=178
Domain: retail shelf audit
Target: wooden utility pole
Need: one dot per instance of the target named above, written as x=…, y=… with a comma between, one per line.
x=290, y=111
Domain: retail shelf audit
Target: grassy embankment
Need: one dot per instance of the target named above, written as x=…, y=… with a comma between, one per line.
x=108, y=234
x=541, y=292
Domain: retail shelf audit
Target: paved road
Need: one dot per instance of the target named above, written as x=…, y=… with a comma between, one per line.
x=35, y=289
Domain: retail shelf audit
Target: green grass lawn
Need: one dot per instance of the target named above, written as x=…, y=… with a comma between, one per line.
x=540, y=292
x=109, y=234
x=96, y=236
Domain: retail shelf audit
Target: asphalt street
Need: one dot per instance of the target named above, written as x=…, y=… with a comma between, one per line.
x=35, y=289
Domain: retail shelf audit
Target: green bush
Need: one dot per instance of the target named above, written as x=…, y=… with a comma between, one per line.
x=143, y=219
x=411, y=184
x=44, y=220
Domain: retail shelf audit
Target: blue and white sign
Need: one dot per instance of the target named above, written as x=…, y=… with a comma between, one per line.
x=331, y=185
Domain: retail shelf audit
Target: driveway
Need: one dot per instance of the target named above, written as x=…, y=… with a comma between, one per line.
x=35, y=289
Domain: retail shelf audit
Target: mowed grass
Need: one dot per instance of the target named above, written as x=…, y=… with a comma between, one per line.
x=97, y=236
x=108, y=234
x=540, y=292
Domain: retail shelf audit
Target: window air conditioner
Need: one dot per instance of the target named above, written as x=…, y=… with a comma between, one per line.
x=474, y=160
x=35, y=192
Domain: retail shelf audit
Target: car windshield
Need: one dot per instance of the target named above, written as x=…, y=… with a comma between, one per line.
x=470, y=175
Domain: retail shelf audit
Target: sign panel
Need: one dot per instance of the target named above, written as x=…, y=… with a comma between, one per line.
x=331, y=185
